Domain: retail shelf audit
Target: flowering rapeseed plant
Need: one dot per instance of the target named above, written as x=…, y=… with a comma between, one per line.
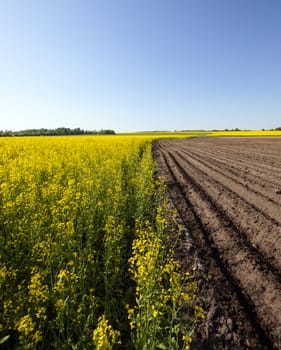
x=72, y=212
x=161, y=290
x=104, y=336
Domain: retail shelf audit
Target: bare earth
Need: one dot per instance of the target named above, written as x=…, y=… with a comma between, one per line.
x=227, y=192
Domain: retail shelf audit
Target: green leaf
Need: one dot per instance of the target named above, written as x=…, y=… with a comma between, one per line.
x=4, y=339
x=162, y=346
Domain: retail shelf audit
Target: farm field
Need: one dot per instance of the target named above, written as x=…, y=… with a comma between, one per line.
x=228, y=195
x=86, y=255
x=204, y=133
x=86, y=259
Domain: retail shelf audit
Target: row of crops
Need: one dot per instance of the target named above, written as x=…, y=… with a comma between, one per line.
x=86, y=260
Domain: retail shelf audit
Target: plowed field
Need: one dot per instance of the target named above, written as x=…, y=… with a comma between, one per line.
x=227, y=192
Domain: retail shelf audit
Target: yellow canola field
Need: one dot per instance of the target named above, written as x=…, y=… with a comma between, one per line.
x=249, y=133
x=66, y=204
x=218, y=133
x=72, y=212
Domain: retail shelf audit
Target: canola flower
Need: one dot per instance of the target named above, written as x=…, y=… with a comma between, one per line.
x=73, y=212
x=161, y=290
x=25, y=325
x=67, y=210
x=104, y=336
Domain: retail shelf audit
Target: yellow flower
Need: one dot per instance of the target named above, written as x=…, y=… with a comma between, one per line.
x=63, y=274
x=3, y=272
x=25, y=325
x=59, y=304
x=41, y=313
x=187, y=341
x=37, y=291
x=37, y=336
x=199, y=312
x=104, y=336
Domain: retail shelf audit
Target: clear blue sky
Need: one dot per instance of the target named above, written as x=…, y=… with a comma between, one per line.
x=132, y=65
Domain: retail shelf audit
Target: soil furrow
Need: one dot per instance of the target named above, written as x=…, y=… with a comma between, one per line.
x=229, y=301
x=229, y=230
x=268, y=207
x=231, y=221
x=247, y=163
x=225, y=219
x=234, y=207
x=244, y=162
x=255, y=182
x=254, y=150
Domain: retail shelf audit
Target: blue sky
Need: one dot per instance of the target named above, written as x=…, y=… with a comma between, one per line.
x=133, y=65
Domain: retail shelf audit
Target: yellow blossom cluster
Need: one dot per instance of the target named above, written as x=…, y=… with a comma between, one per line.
x=104, y=336
x=82, y=233
x=161, y=289
x=25, y=325
x=67, y=212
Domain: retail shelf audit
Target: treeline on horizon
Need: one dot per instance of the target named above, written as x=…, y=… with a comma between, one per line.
x=62, y=131
x=56, y=132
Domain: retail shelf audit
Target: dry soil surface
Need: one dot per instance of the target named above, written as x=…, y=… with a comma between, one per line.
x=227, y=192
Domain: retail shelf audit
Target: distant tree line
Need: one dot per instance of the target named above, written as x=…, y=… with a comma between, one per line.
x=237, y=129
x=56, y=132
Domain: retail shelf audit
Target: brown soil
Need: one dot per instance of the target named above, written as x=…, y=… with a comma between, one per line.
x=227, y=192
